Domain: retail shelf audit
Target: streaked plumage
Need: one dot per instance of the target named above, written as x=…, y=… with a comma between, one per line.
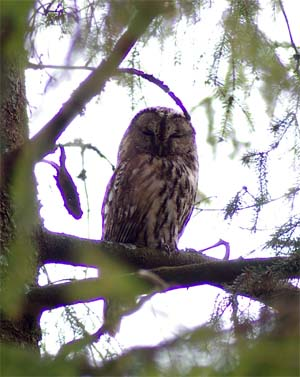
x=150, y=196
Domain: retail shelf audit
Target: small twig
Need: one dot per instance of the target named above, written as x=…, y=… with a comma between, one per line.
x=297, y=54
x=55, y=66
x=79, y=143
x=284, y=196
x=78, y=344
x=87, y=339
x=217, y=244
x=82, y=176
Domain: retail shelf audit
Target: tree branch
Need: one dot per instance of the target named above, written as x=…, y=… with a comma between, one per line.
x=262, y=279
x=71, y=250
x=297, y=54
x=87, y=290
x=43, y=141
x=181, y=270
x=120, y=71
x=92, y=289
x=35, y=66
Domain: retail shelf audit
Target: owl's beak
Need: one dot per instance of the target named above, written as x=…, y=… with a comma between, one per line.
x=160, y=149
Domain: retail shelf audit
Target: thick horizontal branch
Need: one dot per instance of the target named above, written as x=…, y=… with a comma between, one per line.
x=181, y=270
x=219, y=273
x=65, y=249
x=262, y=279
x=258, y=279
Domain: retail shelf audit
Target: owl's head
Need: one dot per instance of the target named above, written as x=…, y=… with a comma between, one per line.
x=158, y=131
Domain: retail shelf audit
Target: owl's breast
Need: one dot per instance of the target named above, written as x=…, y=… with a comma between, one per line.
x=150, y=201
x=150, y=197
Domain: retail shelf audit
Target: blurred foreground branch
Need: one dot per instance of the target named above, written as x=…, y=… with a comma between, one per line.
x=214, y=273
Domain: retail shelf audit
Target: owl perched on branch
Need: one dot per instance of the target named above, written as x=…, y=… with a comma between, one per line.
x=150, y=196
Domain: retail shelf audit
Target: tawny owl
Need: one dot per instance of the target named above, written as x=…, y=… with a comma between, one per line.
x=150, y=196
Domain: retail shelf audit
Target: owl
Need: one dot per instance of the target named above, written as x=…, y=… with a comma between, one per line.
x=150, y=196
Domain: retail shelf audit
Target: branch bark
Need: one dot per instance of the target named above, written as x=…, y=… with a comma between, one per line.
x=71, y=250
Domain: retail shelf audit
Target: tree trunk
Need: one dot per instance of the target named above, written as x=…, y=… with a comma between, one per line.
x=16, y=326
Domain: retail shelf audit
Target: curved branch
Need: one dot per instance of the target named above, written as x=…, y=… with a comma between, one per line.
x=119, y=71
x=43, y=141
x=297, y=54
x=160, y=84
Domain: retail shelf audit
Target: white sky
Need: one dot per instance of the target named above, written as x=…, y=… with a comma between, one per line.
x=103, y=125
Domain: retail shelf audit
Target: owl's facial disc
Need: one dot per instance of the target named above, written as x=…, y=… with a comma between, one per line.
x=163, y=133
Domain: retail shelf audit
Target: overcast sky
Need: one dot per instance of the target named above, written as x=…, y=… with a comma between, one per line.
x=103, y=124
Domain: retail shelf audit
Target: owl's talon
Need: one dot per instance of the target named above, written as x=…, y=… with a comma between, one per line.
x=166, y=248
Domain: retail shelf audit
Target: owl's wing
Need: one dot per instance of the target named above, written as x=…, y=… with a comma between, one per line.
x=123, y=215
x=187, y=195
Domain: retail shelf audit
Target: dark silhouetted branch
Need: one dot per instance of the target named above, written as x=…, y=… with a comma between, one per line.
x=119, y=71
x=297, y=54
x=44, y=140
x=160, y=84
